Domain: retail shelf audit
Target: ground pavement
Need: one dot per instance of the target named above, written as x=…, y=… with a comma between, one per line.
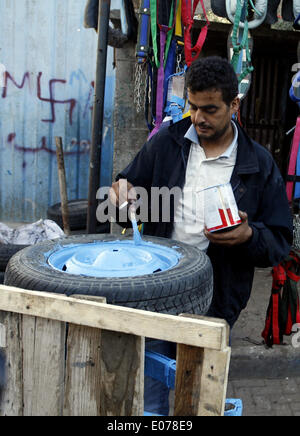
x=267, y=380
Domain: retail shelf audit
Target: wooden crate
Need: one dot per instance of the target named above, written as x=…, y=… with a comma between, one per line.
x=70, y=356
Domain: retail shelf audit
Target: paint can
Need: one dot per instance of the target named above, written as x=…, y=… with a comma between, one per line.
x=220, y=209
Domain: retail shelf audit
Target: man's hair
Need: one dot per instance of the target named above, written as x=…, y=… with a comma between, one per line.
x=213, y=72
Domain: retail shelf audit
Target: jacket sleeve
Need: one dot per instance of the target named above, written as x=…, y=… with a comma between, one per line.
x=140, y=171
x=273, y=230
x=140, y=174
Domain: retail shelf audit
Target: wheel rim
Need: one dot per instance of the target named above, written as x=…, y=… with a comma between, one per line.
x=114, y=259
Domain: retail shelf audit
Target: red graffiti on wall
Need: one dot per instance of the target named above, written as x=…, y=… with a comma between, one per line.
x=51, y=99
x=7, y=76
x=75, y=146
x=84, y=146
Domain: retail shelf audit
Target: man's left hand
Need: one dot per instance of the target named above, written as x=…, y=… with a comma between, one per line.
x=237, y=236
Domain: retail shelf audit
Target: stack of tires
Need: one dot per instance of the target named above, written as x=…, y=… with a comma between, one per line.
x=6, y=252
x=77, y=216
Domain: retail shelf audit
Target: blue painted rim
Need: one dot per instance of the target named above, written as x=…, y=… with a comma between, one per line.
x=113, y=259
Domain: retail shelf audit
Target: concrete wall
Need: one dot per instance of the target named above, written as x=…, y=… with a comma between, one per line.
x=130, y=130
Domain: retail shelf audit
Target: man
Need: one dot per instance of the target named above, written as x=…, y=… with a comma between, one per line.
x=205, y=150
x=208, y=149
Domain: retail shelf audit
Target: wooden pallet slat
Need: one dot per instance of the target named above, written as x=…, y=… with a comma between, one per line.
x=78, y=356
x=201, y=332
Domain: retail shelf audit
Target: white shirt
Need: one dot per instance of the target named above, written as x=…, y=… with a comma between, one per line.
x=201, y=173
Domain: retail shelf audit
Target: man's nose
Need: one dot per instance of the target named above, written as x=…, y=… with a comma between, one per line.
x=199, y=117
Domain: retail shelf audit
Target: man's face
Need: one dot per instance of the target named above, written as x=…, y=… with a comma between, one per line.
x=210, y=114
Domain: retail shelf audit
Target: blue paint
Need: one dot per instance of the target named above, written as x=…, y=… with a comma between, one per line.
x=113, y=258
x=136, y=234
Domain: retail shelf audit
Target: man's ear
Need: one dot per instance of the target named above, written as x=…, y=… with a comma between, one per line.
x=235, y=105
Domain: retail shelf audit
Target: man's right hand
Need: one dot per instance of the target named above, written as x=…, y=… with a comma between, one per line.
x=122, y=191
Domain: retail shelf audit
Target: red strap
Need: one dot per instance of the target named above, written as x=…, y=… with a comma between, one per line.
x=192, y=53
x=279, y=276
x=293, y=160
x=275, y=320
x=293, y=276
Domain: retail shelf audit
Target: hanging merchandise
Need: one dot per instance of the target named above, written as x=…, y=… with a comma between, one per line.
x=159, y=14
x=192, y=53
x=240, y=45
x=219, y=8
x=272, y=12
x=176, y=97
x=175, y=83
x=293, y=176
x=143, y=51
x=296, y=24
x=143, y=40
x=164, y=51
x=260, y=12
x=116, y=37
x=283, y=312
x=290, y=9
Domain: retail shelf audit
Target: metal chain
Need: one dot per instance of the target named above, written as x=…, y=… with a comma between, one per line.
x=179, y=67
x=139, y=86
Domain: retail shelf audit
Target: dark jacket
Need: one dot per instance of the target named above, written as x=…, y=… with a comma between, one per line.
x=259, y=190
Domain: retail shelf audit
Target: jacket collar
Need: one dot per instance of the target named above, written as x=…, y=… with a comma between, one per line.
x=246, y=161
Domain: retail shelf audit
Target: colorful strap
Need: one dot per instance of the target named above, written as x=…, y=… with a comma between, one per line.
x=143, y=49
x=192, y=53
x=160, y=82
x=169, y=29
x=293, y=160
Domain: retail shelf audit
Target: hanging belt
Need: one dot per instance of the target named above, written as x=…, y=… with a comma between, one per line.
x=143, y=48
x=164, y=38
x=192, y=53
x=293, y=161
x=243, y=44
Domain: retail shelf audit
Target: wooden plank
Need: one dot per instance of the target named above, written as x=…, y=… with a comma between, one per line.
x=83, y=371
x=122, y=374
x=12, y=401
x=201, y=381
x=197, y=332
x=201, y=378
x=82, y=383
x=214, y=382
x=43, y=366
x=188, y=380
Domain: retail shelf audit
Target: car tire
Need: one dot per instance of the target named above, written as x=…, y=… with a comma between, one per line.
x=219, y=8
x=187, y=287
x=77, y=214
x=6, y=252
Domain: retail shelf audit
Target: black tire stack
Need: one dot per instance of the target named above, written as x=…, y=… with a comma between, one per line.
x=77, y=216
x=6, y=252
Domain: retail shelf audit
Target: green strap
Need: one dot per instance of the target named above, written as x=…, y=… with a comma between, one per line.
x=153, y=17
x=170, y=34
x=238, y=47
